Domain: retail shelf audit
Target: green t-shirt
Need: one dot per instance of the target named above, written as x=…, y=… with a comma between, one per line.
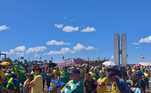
x=65, y=76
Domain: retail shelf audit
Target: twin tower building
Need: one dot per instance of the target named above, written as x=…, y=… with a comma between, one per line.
x=120, y=49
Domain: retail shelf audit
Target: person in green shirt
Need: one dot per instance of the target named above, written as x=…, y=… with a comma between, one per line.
x=75, y=85
x=64, y=77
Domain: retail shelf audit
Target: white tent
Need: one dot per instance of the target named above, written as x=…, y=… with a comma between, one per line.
x=108, y=63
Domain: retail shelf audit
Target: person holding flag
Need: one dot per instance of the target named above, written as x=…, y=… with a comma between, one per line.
x=75, y=85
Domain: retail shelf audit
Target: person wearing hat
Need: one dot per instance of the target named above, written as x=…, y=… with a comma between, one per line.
x=37, y=83
x=118, y=84
x=75, y=85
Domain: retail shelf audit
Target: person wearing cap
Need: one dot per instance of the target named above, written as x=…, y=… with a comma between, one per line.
x=75, y=85
x=37, y=83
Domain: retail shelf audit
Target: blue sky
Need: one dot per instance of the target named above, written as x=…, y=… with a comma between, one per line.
x=87, y=26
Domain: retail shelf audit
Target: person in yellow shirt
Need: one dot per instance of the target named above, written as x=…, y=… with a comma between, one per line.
x=106, y=86
x=37, y=83
x=113, y=75
x=102, y=85
x=118, y=83
x=115, y=88
x=2, y=75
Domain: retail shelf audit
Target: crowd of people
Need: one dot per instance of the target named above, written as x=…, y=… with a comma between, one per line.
x=78, y=78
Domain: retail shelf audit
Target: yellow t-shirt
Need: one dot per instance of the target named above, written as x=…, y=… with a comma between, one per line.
x=38, y=85
x=103, y=88
x=2, y=75
x=115, y=88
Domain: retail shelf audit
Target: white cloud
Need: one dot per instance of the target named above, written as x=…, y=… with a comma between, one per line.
x=90, y=48
x=77, y=48
x=70, y=29
x=88, y=29
x=3, y=28
x=22, y=51
x=56, y=43
x=59, y=26
x=146, y=39
x=66, y=50
x=36, y=49
x=61, y=51
x=54, y=53
x=17, y=51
